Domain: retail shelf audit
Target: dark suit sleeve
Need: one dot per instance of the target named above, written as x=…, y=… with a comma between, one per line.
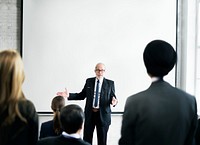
x=79, y=96
x=28, y=111
x=197, y=135
x=33, y=123
x=113, y=90
x=193, y=127
x=127, y=122
x=39, y=142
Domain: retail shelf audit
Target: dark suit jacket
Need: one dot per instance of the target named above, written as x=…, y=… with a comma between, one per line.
x=107, y=92
x=61, y=140
x=19, y=132
x=160, y=115
x=47, y=129
x=197, y=135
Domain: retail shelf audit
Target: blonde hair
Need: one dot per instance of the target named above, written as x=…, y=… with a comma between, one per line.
x=11, y=80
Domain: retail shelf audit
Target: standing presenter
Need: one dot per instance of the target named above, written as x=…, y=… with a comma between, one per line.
x=100, y=94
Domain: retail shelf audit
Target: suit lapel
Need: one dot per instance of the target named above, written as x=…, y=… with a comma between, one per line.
x=92, y=86
x=104, y=86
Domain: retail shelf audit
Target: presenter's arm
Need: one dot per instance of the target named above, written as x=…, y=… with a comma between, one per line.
x=64, y=93
x=114, y=100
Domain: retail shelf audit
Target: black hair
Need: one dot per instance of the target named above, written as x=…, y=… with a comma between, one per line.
x=71, y=118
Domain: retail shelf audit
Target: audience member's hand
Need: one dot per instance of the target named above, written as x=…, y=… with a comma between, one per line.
x=114, y=101
x=64, y=93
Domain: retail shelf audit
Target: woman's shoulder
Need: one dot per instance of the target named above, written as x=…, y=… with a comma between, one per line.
x=25, y=104
x=27, y=108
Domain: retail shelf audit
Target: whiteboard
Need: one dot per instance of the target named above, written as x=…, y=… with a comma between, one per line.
x=63, y=40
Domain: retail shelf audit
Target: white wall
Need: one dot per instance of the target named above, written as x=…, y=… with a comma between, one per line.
x=63, y=40
x=10, y=24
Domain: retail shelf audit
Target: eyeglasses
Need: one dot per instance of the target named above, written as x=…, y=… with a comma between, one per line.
x=100, y=70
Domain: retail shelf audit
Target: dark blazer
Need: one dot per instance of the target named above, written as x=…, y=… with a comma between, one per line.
x=197, y=135
x=107, y=92
x=47, y=129
x=160, y=115
x=61, y=140
x=21, y=133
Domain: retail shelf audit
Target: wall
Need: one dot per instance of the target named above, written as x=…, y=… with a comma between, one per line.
x=63, y=40
x=10, y=24
x=10, y=37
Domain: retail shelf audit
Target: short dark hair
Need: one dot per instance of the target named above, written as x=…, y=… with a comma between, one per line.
x=159, y=58
x=71, y=118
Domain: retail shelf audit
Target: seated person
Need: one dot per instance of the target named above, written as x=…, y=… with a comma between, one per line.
x=52, y=127
x=71, y=118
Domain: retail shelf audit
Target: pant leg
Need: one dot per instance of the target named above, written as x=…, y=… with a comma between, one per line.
x=101, y=130
x=88, y=131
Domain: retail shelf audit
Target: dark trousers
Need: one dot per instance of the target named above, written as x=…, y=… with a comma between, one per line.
x=101, y=130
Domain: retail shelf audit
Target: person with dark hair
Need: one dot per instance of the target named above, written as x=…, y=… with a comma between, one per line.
x=99, y=93
x=53, y=127
x=18, y=117
x=72, y=119
x=162, y=114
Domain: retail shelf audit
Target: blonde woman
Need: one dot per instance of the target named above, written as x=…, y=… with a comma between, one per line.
x=18, y=118
x=53, y=127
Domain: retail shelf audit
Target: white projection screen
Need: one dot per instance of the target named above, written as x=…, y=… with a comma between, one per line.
x=63, y=40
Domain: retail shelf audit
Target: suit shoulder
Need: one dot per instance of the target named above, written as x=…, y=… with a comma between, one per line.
x=47, y=140
x=186, y=95
x=90, y=79
x=82, y=142
x=47, y=123
x=26, y=104
x=136, y=96
x=109, y=80
x=27, y=109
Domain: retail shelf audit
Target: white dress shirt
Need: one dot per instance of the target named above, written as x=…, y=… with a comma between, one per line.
x=73, y=135
x=100, y=85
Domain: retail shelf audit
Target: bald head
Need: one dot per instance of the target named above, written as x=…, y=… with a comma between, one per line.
x=99, y=70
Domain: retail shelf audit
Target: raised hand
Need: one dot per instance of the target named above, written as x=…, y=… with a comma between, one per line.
x=64, y=93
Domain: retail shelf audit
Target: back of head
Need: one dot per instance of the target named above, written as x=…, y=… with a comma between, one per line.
x=159, y=58
x=57, y=104
x=72, y=118
x=11, y=79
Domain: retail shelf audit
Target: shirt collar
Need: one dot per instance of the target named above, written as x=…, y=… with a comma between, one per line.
x=155, y=79
x=100, y=80
x=73, y=135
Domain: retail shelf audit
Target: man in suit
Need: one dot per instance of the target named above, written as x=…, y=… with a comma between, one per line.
x=162, y=114
x=97, y=113
x=71, y=118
